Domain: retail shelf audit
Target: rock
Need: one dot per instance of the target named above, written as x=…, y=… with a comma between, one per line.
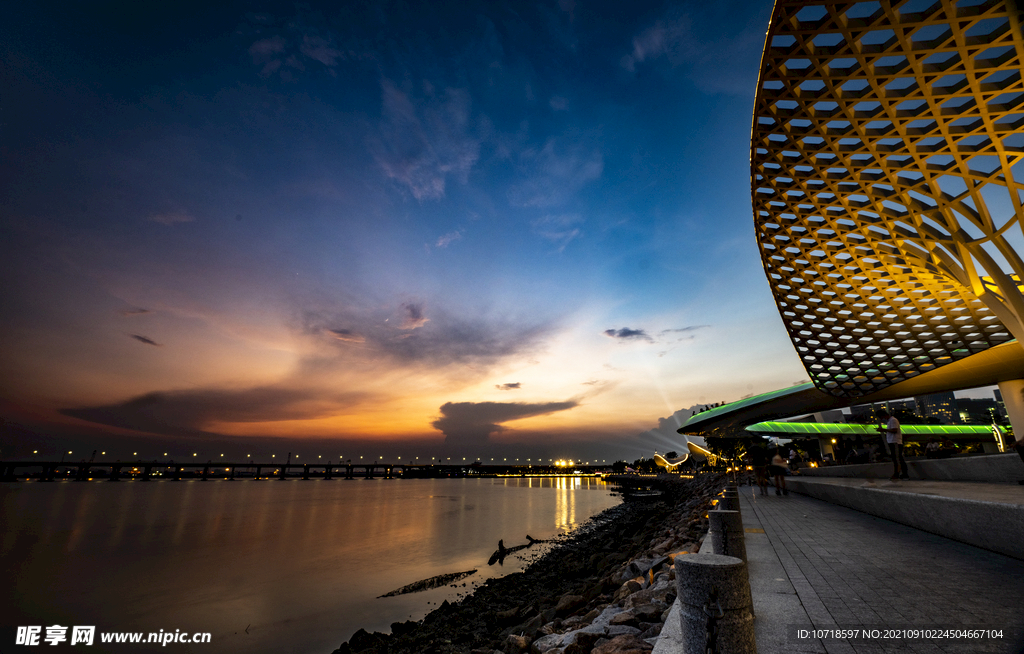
x=619, y=629
x=647, y=613
x=651, y=631
x=626, y=617
x=590, y=617
x=580, y=642
x=507, y=615
x=515, y=644
x=582, y=638
x=530, y=627
x=627, y=589
x=545, y=644
x=568, y=604
x=401, y=628
x=625, y=644
x=646, y=596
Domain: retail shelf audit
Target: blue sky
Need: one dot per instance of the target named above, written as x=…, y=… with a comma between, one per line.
x=487, y=227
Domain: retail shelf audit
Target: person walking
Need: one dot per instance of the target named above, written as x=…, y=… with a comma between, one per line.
x=894, y=437
x=759, y=459
x=778, y=470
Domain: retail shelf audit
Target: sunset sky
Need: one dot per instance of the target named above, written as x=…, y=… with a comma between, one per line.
x=480, y=229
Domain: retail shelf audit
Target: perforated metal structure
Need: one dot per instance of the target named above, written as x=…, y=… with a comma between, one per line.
x=887, y=166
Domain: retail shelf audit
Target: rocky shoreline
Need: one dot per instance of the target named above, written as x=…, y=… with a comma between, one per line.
x=606, y=589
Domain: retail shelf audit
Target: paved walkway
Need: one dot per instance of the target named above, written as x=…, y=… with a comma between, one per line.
x=822, y=566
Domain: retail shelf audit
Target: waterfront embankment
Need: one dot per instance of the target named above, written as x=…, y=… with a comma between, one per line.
x=605, y=588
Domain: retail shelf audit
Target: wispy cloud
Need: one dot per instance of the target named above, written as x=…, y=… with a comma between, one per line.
x=449, y=238
x=557, y=173
x=715, y=64
x=687, y=332
x=511, y=386
x=421, y=142
x=317, y=47
x=135, y=312
x=670, y=38
x=173, y=218
x=472, y=423
x=560, y=229
x=627, y=334
x=143, y=339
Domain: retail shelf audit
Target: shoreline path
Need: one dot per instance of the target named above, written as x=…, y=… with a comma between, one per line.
x=815, y=565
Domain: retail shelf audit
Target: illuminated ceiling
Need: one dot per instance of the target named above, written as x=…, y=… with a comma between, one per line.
x=887, y=163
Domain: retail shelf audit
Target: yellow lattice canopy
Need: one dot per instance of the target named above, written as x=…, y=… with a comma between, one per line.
x=887, y=168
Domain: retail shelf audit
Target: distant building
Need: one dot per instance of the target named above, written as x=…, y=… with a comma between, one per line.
x=978, y=411
x=999, y=403
x=939, y=405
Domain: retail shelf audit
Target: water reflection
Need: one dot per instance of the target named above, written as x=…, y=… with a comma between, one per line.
x=300, y=563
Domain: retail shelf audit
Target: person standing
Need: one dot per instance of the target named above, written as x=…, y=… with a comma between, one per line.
x=894, y=437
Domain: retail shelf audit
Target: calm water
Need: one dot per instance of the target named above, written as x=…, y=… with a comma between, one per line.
x=300, y=563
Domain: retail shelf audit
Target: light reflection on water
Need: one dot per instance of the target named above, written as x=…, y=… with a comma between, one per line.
x=300, y=563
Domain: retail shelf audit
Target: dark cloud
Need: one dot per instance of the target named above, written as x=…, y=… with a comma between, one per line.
x=143, y=339
x=414, y=317
x=188, y=412
x=628, y=334
x=440, y=341
x=347, y=335
x=511, y=386
x=472, y=423
x=135, y=312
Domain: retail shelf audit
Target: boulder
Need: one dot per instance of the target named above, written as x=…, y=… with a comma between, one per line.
x=569, y=604
x=515, y=644
x=627, y=589
x=620, y=629
x=625, y=644
x=626, y=617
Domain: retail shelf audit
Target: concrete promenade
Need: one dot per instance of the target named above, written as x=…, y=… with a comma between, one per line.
x=817, y=565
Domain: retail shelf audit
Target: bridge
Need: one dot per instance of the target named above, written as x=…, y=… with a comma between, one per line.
x=11, y=471
x=149, y=470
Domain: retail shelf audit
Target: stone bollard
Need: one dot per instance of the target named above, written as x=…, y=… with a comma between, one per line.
x=726, y=532
x=730, y=501
x=715, y=606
